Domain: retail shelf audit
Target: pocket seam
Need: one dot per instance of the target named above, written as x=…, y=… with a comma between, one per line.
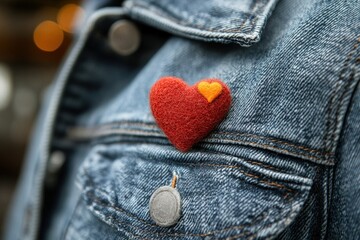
x=174, y=234
x=315, y=155
x=92, y=197
x=112, y=125
x=263, y=180
x=179, y=234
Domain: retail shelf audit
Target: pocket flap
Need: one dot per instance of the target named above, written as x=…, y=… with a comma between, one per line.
x=225, y=21
x=222, y=196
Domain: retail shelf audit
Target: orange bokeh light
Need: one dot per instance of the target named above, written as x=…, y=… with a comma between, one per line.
x=67, y=16
x=48, y=36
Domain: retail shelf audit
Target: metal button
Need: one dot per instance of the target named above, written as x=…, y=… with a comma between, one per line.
x=165, y=206
x=124, y=37
x=56, y=161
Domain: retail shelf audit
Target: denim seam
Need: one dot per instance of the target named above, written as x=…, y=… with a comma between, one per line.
x=268, y=147
x=158, y=10
x=234, y=36
x=332, y=101
x=241, y=235
x=167, y=234
x=92, y=197
x=329, y=195
x=223, y=132
x=347, y=90
x=95, y=199
x=338, y=112
x=271, y=147
x=250, y=175
x=148, y=124
x=260, y=179
x=336, y=100
x=310, y=151
x=263, y=180
x=276, y=141
x=253, y=162
x=190, y=24
x=261, y=164
x=123, y=223
x=239, y=227
x=263, y=146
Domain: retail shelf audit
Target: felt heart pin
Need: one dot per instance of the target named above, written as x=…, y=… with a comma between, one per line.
x=187, y=114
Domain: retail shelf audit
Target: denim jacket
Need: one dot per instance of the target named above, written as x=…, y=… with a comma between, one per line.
x=283, y=164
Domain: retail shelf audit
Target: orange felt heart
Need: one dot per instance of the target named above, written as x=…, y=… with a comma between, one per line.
x=210, y=90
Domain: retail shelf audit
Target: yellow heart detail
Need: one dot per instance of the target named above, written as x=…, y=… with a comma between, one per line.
x=210, y=90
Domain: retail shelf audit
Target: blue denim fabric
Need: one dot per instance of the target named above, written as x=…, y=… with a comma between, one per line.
x=284, y=164
x=224, y=21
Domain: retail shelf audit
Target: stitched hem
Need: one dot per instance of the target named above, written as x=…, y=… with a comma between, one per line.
x=252, y=23
x=339, y=101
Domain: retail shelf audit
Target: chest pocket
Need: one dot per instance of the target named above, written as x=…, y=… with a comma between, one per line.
x=248, y=179
x=222, y=195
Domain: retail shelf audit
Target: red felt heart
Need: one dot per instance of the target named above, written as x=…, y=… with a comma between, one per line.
x=184, y=113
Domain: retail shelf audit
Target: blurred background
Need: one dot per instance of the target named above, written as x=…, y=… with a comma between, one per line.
x=34, y=36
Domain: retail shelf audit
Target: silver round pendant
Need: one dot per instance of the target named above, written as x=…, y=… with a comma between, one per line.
x=165, y=206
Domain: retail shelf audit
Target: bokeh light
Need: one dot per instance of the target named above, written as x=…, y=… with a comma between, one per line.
x=68, y=15
x=48, y=36
x=5, y=86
